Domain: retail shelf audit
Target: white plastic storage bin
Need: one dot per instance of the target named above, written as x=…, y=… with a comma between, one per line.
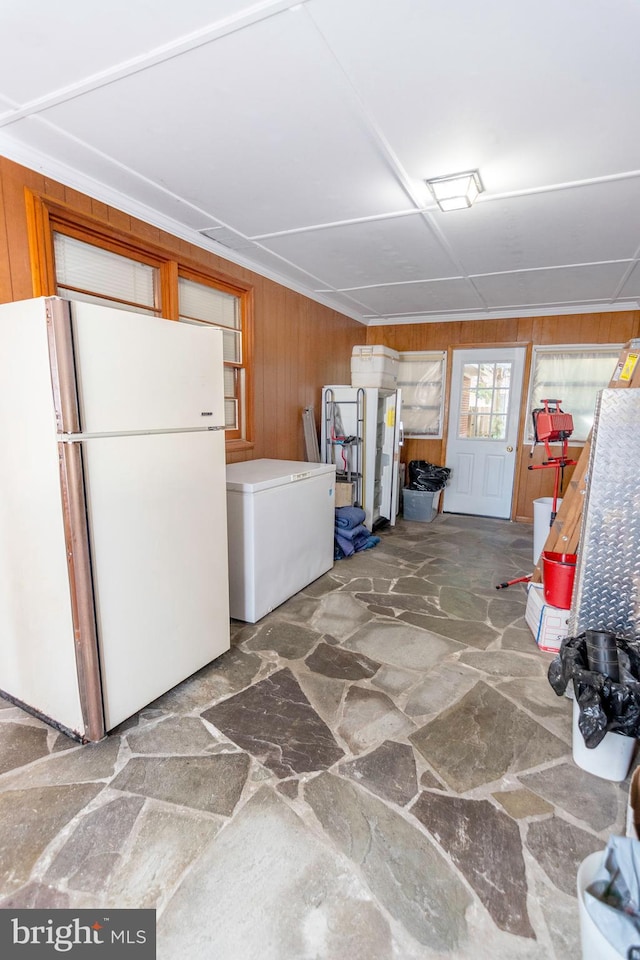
x=374, y=366
x=280, y=518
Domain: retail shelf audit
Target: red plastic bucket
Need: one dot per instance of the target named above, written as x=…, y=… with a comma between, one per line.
x=558, y=572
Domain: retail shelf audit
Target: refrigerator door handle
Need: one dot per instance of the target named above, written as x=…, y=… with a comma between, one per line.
x=401, y=435
x=81, y=589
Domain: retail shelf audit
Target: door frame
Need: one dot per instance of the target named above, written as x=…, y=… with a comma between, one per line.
x=526, y=373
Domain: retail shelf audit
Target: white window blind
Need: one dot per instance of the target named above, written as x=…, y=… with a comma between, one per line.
x=200, y=303
x=197, y=301
x=421, y=380
x=88, y=272
x=573, y=375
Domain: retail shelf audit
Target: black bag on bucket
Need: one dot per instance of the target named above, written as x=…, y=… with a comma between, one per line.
x=605, y=705
x=427, y=476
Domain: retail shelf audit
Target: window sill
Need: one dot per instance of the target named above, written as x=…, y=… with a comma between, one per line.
x=237, y=446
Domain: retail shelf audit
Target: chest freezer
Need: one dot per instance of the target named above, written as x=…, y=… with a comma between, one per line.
x=280, y=521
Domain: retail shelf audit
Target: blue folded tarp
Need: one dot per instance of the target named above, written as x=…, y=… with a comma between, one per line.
x=349, y=517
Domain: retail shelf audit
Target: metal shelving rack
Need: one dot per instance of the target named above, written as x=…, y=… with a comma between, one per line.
x=349, y=467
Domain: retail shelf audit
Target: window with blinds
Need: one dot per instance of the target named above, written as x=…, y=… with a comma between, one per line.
x=421, y=379
x=92, y=273
x=201, y=303
x=97, y=273
x=573, y=375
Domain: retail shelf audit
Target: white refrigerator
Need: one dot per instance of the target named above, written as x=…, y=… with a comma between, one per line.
x=362, y=436
x=113, y=549
x=281, y=516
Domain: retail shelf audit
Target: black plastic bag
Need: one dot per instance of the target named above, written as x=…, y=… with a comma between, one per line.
x=427, y=476
x=605, y=706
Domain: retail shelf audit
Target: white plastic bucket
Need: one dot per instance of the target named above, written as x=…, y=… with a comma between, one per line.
x=612, y=757
x=595, y=945
x=542, y=523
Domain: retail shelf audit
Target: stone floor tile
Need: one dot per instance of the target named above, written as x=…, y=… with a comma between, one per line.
x=275, y=723
x=522, y=640
x=288, y=640
x=394, y=680
x=481, y=738
x=323, y=693
x=253, y=903
x=211, y=783
x=88, y=857
x=368, y=717
x=504, y=663
x=389, y=771
x=503, y=610
x=21, y=744
x=560, y=847
x=562, y=920
x=463, y=604
x=443, y=686
x=340, y=615
x=323, y=585
x=340, y=664
x=93, y=761
x=174, y=735
x=417, y=585
x=468, y=632
x=386, y=602
x=401, y=645
x=165, y=845
x=520, y=804
x=299, y=609
x=404, y=870
x=29, y=820
x=595, y=801
x=36, y=895
x=484, y=843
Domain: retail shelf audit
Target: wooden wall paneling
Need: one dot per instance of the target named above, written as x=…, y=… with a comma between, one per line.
x=5, y=271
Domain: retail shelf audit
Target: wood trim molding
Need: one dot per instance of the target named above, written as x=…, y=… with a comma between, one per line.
x=40, y=245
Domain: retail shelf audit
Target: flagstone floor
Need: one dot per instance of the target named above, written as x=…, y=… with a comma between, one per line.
x=378, y=769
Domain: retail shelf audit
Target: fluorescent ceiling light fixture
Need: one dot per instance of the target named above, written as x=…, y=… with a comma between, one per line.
x=456, y=191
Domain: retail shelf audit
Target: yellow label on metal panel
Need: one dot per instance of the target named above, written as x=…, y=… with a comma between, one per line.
x=391, y=417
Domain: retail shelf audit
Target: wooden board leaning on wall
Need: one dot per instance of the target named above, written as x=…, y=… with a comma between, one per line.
x=564, y=534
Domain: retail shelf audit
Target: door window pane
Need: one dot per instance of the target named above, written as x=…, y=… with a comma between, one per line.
x=484, y=403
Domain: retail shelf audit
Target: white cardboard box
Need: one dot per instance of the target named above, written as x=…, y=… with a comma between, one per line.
x=374, y=366
x=548, y=624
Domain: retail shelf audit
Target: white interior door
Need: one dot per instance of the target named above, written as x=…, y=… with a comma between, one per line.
x=484, y=410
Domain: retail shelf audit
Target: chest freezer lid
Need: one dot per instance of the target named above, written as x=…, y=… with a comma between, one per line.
x=250, y=476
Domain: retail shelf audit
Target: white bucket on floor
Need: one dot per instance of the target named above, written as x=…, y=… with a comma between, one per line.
x=595, y=945
x=612, y=757
x=542, y=523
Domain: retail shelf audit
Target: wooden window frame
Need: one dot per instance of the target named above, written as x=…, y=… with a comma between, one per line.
x=46, y=215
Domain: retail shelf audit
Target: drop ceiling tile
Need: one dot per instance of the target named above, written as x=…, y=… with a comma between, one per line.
x=594, y=283
x=377, y=251
x=416, y=298
x=530, y=94
x=242, y=127
x=579, y=225
x=631, y=287
x=73, y=163
x=66, y=46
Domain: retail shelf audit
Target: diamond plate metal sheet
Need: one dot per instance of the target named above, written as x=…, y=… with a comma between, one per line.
x=607, y=588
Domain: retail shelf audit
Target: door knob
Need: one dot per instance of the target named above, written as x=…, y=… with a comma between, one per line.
x=509, y=449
